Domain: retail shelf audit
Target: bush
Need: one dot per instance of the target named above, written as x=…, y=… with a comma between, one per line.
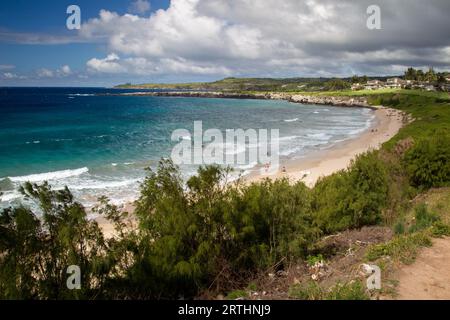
x=428, y=162
x=208, y=232
x=35, y=251
x=352, y=198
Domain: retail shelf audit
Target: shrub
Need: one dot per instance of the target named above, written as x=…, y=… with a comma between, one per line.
x=35, y=251
x=428, y=162
x=354, y=197
x=209, y=232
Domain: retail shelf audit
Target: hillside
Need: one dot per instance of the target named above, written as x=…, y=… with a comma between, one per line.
x=253, y=84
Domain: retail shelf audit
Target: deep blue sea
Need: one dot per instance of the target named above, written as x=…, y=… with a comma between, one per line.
x=99, y=144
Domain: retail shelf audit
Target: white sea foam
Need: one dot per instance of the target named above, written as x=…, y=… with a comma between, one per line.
x=9, y=196
x=319, y=136
x=291, y=120
x=97, y=185
x=81, y=94
x=55, y=175
x=288, y=138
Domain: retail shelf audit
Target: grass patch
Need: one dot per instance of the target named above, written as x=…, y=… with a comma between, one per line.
x=403, y=248
x=236, y=294
x=354, y=290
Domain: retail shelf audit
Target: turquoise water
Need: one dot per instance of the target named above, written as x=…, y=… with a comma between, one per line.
x=100, y=144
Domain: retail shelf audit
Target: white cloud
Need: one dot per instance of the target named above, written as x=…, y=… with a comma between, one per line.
x=65, y=70
x=110, y=64
x=292, y=37
x=12, y=76
x=9, y=75
x=45, y=73
x=113, y=64
x=139, y=7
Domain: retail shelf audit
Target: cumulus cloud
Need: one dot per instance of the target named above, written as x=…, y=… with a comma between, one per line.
x=139, y=7
x=253, y=37
x=45, y=73
x=110, y=64
x=65, y=70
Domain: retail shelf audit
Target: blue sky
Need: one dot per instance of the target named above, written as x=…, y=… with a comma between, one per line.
x=48, y=17
x=200, y=40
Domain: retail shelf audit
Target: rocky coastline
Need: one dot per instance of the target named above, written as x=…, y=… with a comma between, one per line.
x=296, y=98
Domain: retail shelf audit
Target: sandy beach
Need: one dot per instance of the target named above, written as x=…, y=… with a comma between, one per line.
x=386, y=124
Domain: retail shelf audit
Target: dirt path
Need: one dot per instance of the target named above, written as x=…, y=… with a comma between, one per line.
x=429, y=276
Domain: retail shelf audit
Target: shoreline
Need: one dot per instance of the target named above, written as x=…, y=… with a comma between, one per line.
x=337, y=157
x=318, y=163
x=323, y=162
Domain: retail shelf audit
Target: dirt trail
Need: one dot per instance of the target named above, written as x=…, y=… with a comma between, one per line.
x=429, y=276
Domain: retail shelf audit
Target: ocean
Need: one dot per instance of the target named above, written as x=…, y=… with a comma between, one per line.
x=99, y=144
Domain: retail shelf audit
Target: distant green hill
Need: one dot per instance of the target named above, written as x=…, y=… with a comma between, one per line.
x=254, y=84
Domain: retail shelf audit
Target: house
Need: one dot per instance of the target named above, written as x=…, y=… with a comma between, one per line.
x=395, y=83
x=357, y=86
x=373, y=85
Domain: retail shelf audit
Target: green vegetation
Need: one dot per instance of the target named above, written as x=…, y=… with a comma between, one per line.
x=206, y=236
x=256, y=84
x=403, y=248
x=313, y=260
x=419, y=75
x=35, y=253
x=237, y=294
x=352, y=198
x=354, y=290
x=301, y=85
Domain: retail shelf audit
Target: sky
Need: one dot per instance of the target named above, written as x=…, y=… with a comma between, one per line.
x=141, y=41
